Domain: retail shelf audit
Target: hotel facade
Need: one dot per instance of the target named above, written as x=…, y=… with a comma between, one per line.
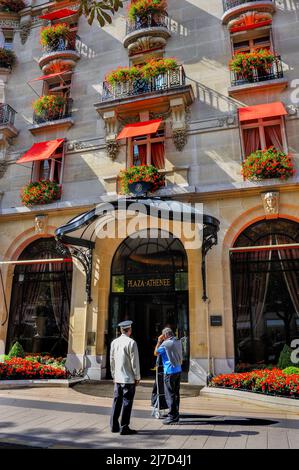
x=234, y=297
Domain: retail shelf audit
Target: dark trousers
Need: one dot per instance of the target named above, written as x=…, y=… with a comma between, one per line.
x=172, y=394
x=122, y=403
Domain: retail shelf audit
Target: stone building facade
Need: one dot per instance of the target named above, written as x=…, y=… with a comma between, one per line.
x=204, y=135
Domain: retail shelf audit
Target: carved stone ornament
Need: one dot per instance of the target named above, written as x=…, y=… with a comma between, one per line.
x=3, y=168
x=24, y=32
x=112, y=147
x=146, y=43
x=250, y=18
x=41, y=223
x=271, y=202
x=179, y=138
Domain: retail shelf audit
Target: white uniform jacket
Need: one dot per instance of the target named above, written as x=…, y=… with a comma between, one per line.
x=124, y=360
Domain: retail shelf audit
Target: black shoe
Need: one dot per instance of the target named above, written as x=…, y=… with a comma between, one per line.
x=127, y=431
x=115, y=429
x=170, y=421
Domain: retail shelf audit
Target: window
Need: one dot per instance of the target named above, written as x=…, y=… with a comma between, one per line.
x=8, y=39
x=58, y=86
x=50, y=169
x=263, y=133
x=147, y=150
x=251, y=45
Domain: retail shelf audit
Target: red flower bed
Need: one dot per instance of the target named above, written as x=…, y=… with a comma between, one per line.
x=19, y=369
x=269, y=382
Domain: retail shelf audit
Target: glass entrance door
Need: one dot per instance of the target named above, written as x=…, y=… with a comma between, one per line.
x=150, y=314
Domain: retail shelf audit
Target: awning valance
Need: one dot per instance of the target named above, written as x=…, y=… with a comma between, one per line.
x=261, y=111
x=139, y=128
x=58, y=14
x=40, y=151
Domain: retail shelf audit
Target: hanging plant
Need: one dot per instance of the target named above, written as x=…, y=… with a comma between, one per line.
x=51, y=106
x=151, y=69
x=148, y=174
x=7, y=58
x=40, y=192
x=12, y=5
x=50, y=35
x=266, y=164
x=143, y=8
x=246, y=63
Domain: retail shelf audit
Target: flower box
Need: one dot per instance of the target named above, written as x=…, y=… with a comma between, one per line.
x=269, y=382
x=7, y=58
x=139, y=9
x=151, y=69
x=250, y=64
x=51, y=35
x=140, y=180
x=50, y=107
x=266, y=164
x=40, y=192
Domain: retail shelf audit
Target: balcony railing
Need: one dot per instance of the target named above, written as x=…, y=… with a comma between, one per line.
x=150, y=21
x=163, y=82
x=259, y=74
x=61, y=44
x=7, y=115
x=229, y=4
x=48, y=116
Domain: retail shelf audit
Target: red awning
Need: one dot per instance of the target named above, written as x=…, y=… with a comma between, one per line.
x=56, y=15
x=237, y=29
x=262, y=111
x=51, y=75
x=40, y=151
x=139, y=128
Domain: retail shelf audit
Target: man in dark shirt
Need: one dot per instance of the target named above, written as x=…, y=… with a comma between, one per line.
x=170, y=349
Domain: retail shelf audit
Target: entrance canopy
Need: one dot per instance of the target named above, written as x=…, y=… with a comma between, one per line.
x=80, y=233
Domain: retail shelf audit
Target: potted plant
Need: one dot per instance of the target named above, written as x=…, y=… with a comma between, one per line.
x=12, y=5
x=151, y=69
x=40, y=192
x=248, y=64
x=7, y=58
x=141, y=179
x=52, y=36
x=268, y=163
x=141, y=9
x=50, y=107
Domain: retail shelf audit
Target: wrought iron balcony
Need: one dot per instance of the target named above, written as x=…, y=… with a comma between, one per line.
x=7, y=115
x=163, y=82
x=150, y=21
x=259, y=74
x=229, y=4
x=62, y=44
x=48, y=115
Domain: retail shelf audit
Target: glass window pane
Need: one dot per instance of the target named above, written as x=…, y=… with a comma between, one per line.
x=118, y=284
x=181, y=281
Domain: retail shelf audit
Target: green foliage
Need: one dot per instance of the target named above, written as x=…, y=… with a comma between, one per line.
x=4, y=357
x=143, y=8
x=151, y=69
x=7, y=58
x=16, y=350
x=291, y=370
x=145, y=173
x=40, y=192
x=102, y=10
x=266, y=164
x=50, y=35
x=49, y=105
x=285, y=358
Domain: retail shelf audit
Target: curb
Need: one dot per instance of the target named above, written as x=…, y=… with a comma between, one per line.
x=279, y=403
x=8, y=384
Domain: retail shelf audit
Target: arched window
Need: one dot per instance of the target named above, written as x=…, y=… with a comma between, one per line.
x=40, y=301
x=265, y=290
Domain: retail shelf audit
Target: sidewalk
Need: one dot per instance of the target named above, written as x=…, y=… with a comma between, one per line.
x=79, y=418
